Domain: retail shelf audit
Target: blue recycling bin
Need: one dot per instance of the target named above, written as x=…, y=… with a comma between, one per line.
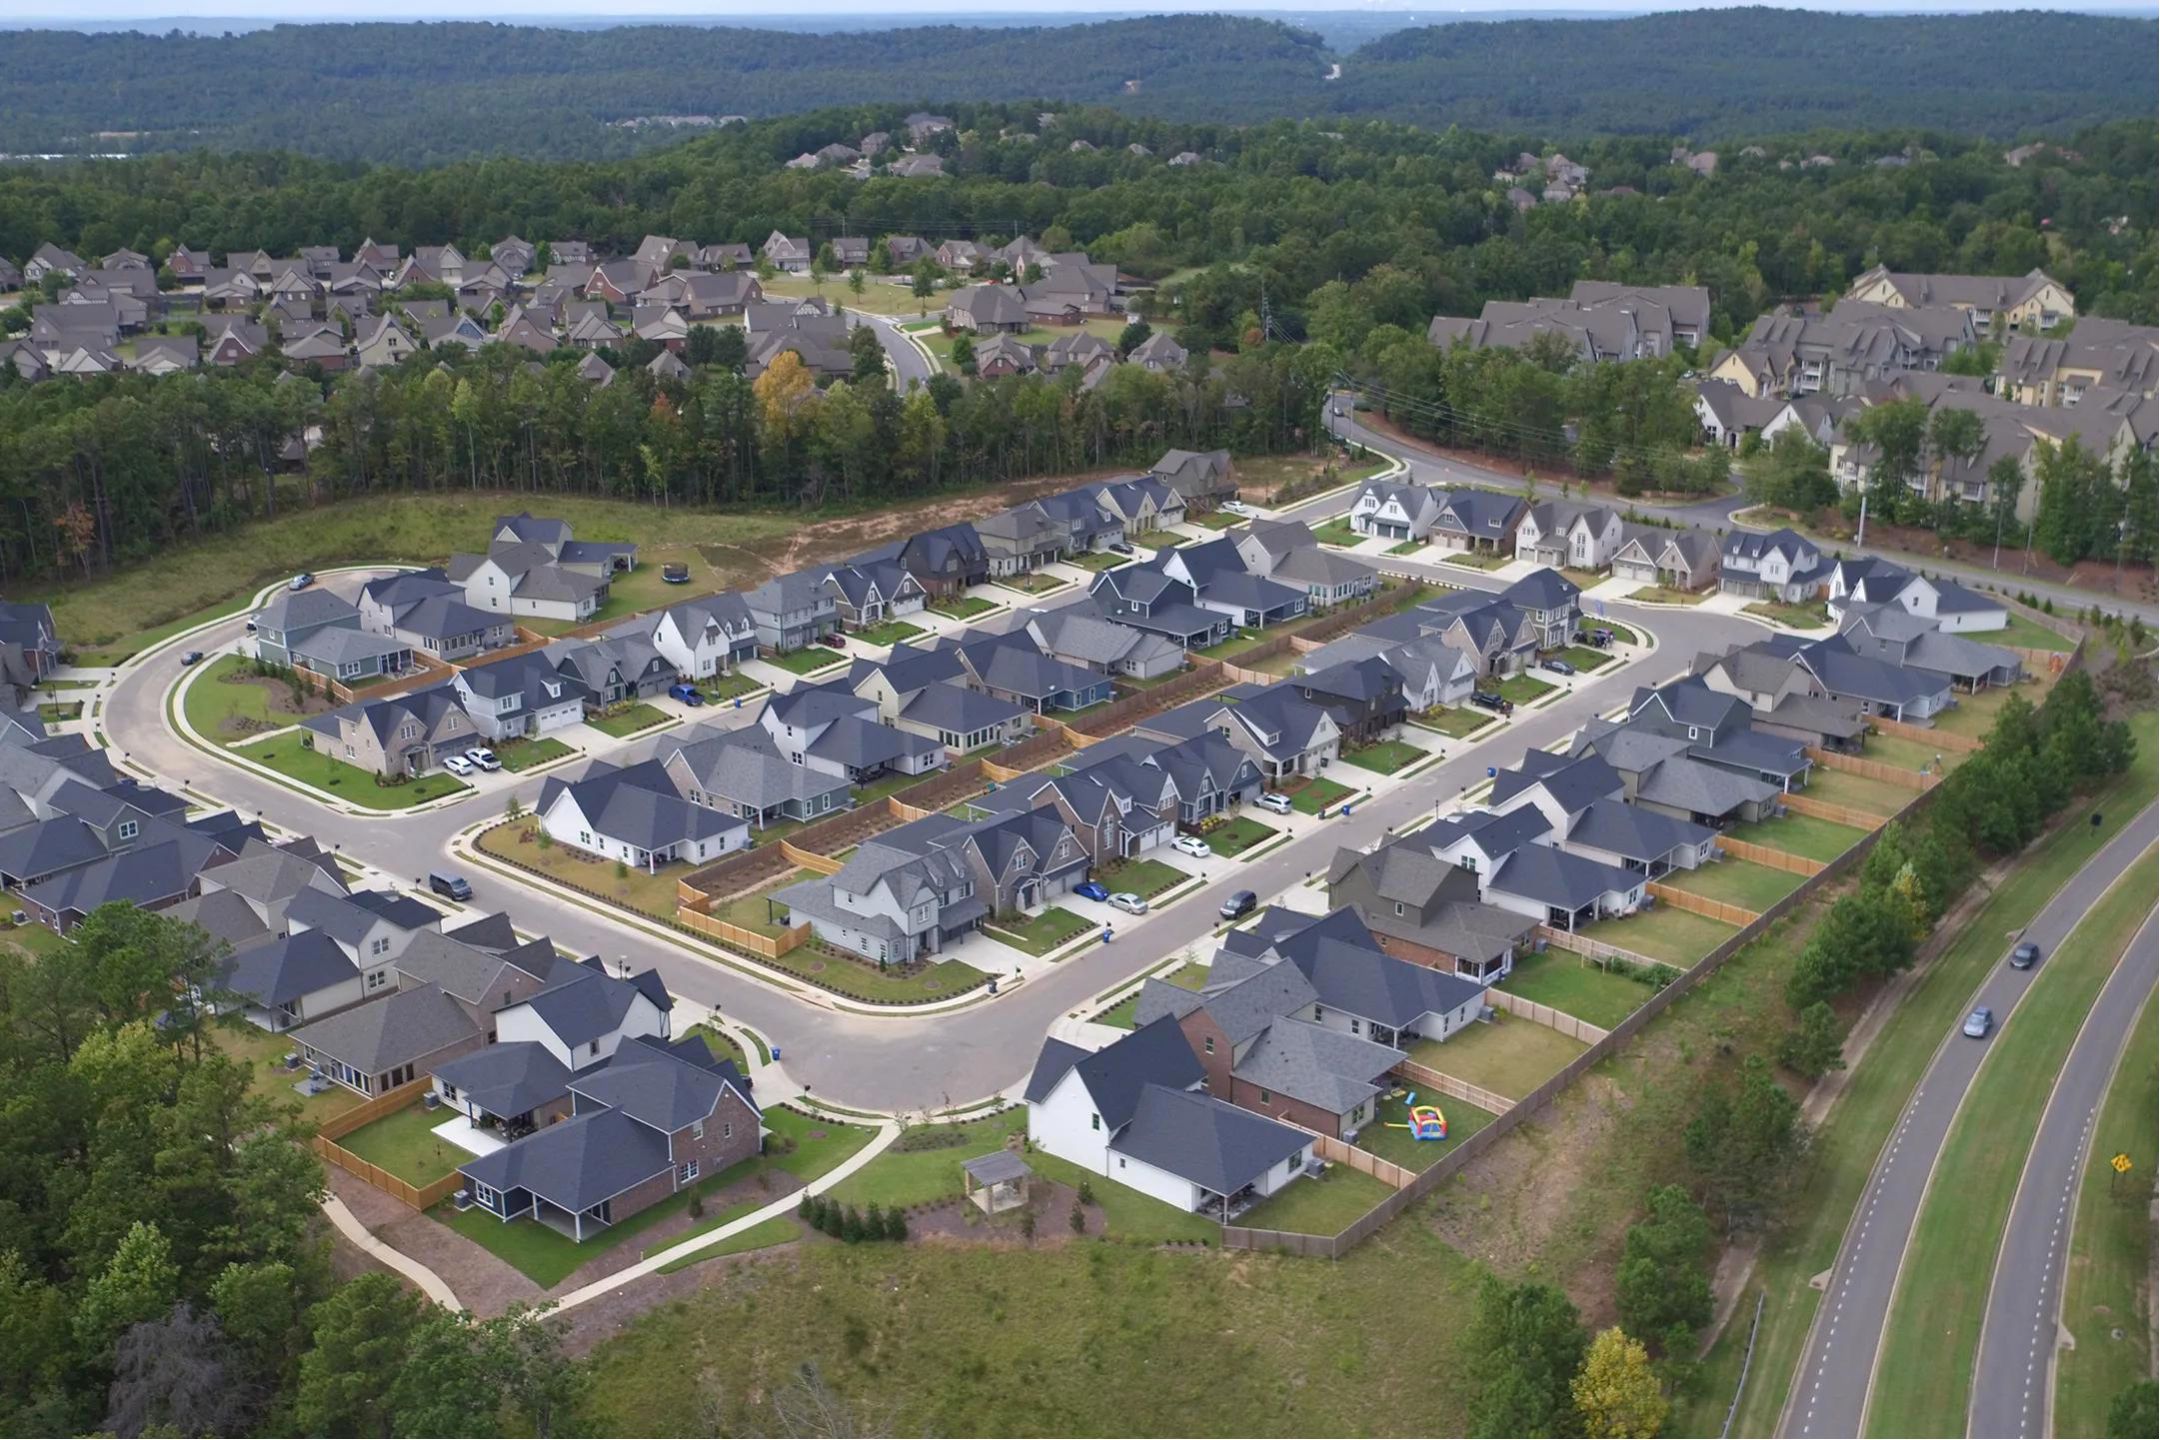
x=776, y=1054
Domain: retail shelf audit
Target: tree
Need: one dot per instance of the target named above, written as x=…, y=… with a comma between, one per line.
x=140, y=1283
x=786, y=395
x=1133, y=336
x=963, y=353
x=1791, y=472
x=1745, y=1142
x=855, y=281
x=1617, y=1392
x=1898, y=432
x=922, y=283
x=1662, y=1282
x=869, y=354
x=1815, y=1045
x=1533, y=1341
x=361, y=1337
x=179, y=1374
x=2135, y=1410
x=444, y=1385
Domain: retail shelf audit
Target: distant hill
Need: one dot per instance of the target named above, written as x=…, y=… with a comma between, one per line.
x=425, y=94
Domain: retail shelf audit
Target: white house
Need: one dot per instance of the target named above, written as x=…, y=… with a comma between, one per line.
x=1780, y=565
x=1582, y=537
x=633, y=814
x=582, y=1020
x=1394, y=510
x=708, y=636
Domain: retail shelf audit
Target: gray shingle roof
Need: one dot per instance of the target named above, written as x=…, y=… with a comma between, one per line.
x=509, y=1079
x=1329, y=1068
x=401, y=1027
x=1204, y=1140
x=283, y=970
x=578, y=1162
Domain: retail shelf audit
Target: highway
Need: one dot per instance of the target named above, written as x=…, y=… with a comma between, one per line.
x=870, y=1060
x=2014, y=1377
x=1837, y=1372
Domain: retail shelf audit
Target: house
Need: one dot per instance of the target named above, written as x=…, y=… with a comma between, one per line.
x=2034, y=299
x=986, y=310
x=1890, y=632
x=29, y=643
x=282, y=981
x=619, y=666
x=397, y=736
x=1660, y=774
x=1723, y=729
x=291, y=616
x=1550, y=602
x=1116, y=806
x=1783, y=700
x=1219, y=574
x=1779, y=565
x=1080, y=636
x=1132, y=1112
x=655, y=1120
x=633, y=814
x=961, y=719
x=1952, y=607
x=1854, y=671
x=1483, y=521
x=711, y=635
x=1363, y=697
x=1013, y=667
x=50, y=259
x=1288, y=553
x=789, y=253
x=426, y=610
x=1500, y=637
x=1142, y=597
x=2097, y=356
x=1433, y=673
x=1003, y=355
x=743, y=773
x=793, y=610
x=1427, y=911
x=1680, y=559
x=1283, y=732
x=1019, y=540
x=519, y=697
x=889, y=905
x=1160, y=353
x=945, y=561
x=1730, y=414
x=1394, y=510
x=392, y=1040
x=533, y=567
x=1845, y=351
x=381, y=343
x=1201, y=479
x=1564, y=533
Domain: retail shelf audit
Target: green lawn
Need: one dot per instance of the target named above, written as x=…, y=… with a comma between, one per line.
x=1145, y=878
x=1215, y=520
x=720, y=1045
x=629, y=719
x=2111, y=1247
x=938, y=981
x=1524, y=688
x=923, y=1165
x=1120, y=1016
x=1098, y=560
x=714, y=1219
x=1475, y=560
x=1674, y=936
x=31, y=941
x=1846, y=1145
x=808, y=660
x=2025, y=634
x=263, y=1053
x=1585, y=658
x=1974, y=715
x=723, y=688
x=1738, y=882
x=1932, y=1338
x=1387, y=1136
x=1509, y=1056
x=288, y=757
x=761, y=1236
x=1237, y=835
x=1813, y=615
x=1033, y=582
x=405, y=1144
x=1407, y=547
x=524, y=754
x=1804, y=835
x=1313, y=793
x=548, y=1258
x=624, y=885
x=751, y=911
x=879, y=297
x=1855, y=792
x=1620, y=633
x=962, y=607
x=1039, y=934
x=1456, y=723
x=227, y=711
x=1578, y=986
x=1666, y=595
x=1385, y=757
x=891, y=632
x=1327, y=1204
x=1338, y=532
x=1913, y=755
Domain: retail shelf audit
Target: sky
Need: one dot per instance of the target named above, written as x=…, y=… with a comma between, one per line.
x=96, y=10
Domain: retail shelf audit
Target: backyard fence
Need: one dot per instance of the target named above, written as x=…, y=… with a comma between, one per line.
x=1509, y=1116
x=1427, y=1078
x=1576, y=944
x=1339, y=1152
x=1205, y=677
x=1546, y=1016
x=1769, y=857
x=1940, y=739
x=1703, y=905
x=419, y=1197
x=1874, y=770
x=768, y=947
x=1801, y=804
x=810, y=859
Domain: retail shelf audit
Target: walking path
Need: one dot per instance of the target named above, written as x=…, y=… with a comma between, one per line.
x=431, y=1285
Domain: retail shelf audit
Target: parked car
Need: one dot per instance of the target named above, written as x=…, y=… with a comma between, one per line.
x=1090, y=890
x=1276, y=801
x=457, y=765
x=483, y=757
x=1979, y=1023
x=1559, y=667
x=687, y=693
x=1598, y=638
x=1236, y=507
x=450, y=887
x=191, y=657
x=1242, y=903
x=2025, y=956
x=1128, y=902
x=1192, y=845
x=300, y=581
x=833, y=640
x=1492, y=700
x=1119, y=547
x=675, y=572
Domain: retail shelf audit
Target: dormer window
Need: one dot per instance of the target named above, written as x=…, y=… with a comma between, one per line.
x=127, y=830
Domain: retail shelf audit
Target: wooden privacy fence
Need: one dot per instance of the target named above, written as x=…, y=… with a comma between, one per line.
x=1940, y=739
x=1874, y=770
x=1801, y=804
x=810, y=859
x=768, y=946
x=1546, y=1016
x=2052, y=662
x=1339, y=1152
x=419, y=1197
x=1769, y=857
x=1702, y=905
x=1424, y=1077
x=1576, y=944
x=1205, y=677
x=1334, y=1247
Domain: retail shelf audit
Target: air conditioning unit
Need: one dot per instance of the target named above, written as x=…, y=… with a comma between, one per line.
x=463, y=1200
x=431, y=1101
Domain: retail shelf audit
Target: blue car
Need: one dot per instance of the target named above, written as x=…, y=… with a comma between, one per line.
x=1089, y=890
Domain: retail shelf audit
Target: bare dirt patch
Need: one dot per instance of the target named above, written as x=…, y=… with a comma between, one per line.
x=839, y=538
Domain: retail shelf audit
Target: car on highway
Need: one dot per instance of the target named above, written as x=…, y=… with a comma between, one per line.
x=1192, y=845
x=1276, y=801
x=457, y=765
x=483, y=757
x=300, y=581
x=1242, y=903
x=192, y=657
x=1559, y=667
x=1979, y=1023
x=688, y=694
x=1128, y=902
x=1090, y=890
x=2025, y=956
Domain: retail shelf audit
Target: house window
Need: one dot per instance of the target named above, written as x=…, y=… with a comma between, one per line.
x=1094, y=1122
x=727, y=1129
x=1317, y=1012
x=1267, y=1097
x=697, y=1129
x=1356, y=1026
x=487, y=1195
x=686, y=1172
x=1398, y=907
x=127, y=829
x=592, y=1047
x=380, y=945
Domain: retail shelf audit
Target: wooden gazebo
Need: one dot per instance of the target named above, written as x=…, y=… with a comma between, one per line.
x=997, y=1181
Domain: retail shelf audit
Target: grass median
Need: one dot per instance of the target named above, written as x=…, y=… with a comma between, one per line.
x=1932, y=1339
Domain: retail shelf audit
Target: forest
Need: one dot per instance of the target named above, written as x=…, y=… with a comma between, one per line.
x=427, y=94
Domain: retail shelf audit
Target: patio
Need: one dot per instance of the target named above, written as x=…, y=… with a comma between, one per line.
x=467, y=1136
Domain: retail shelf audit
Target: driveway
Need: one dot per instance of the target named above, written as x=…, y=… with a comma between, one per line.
x=1837, y=1370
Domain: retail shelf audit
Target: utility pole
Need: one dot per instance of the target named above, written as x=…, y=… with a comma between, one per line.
x=1860, y=538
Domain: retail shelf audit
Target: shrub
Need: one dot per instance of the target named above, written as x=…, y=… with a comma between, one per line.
x=1027, y=1225
x=806, y=1209
x=851, y=1229
x=873, y=1222
x=895, y=1224
x=1086, y=1192
x=1077, y=1218
x=697, y=1205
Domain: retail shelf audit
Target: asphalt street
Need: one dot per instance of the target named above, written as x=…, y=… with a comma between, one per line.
x=1837, y=1370
x=1713, y=515
x=2014, y=1377
x=883, y=1061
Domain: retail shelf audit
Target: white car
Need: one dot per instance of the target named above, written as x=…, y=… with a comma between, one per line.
x=1192, y=845
x=457, y=764
x=1128, y=902
x=483, y=757
x=1276, y=801
x=1236, y=507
